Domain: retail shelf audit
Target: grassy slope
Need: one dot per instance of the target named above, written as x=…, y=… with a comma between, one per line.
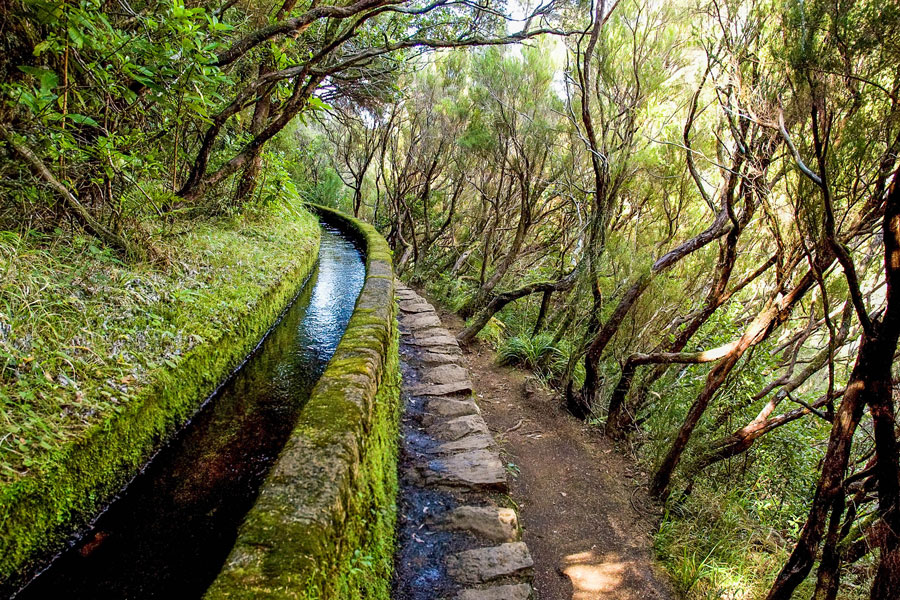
x=94, y=352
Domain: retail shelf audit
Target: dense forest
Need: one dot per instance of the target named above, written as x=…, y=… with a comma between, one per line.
x=684, y=217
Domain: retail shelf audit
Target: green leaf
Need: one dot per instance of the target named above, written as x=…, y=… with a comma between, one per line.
x=82, y=119
x=48, y=78
x=76, y=36
x=40, y=48
x=318, y=104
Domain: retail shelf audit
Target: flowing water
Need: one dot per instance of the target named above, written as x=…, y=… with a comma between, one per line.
x=172, y=528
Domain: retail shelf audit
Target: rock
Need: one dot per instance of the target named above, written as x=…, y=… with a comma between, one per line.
x=421, y=321
x=428, y=331
x=448, y=408
x=458, y=427
x=441, y=389
x=434, y=339
x=438, y=358
x=446, y=374
x=520, y=591
x=475, y=441
x=475, y=470
x=482, y=565
x=413, y=307
x=437, y=348
x=490, y=522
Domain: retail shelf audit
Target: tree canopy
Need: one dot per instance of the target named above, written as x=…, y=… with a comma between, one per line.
x=684, y=216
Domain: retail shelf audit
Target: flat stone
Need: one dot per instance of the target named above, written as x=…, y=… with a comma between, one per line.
x=421, y=321
x=454, y=429
x=446, y=374
x=440, y=389
x=490, y=522
x=439, y=344
x=521, y=591
x=482, y=565
x=475, y=470
x=448, y=408
x=413, y=308
x=437, y=358
x=435, y=338
x=475, y=441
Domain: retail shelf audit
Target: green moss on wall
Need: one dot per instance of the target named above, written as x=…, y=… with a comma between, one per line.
x=39, y=511
x=323, y=525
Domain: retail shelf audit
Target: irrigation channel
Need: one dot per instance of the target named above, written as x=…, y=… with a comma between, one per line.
x=170, y=531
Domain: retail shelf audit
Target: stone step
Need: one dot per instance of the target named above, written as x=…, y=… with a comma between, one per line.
x=445, y=374
x=448, y=408
x=437, y=358
x=475, y=470
x=483, y=565
x=489, y=522
x=521, y=591
x=456, y=428
x=475, y=441
x=414, y=308
x=420, y=321
x=441, y=389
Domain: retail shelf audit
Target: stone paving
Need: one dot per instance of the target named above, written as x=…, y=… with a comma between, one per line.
x=457, y=537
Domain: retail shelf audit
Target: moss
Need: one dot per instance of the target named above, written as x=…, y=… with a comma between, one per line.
x=323, y=526
x=40, y=510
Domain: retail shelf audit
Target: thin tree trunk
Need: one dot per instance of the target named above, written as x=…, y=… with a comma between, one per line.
x=542, y=312
x=501, y=300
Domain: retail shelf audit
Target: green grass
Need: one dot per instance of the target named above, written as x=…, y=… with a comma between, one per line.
x=714, y=547
x=81, y=332
x=533, y=352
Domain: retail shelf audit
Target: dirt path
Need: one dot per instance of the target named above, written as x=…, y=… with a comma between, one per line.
x=587, y=525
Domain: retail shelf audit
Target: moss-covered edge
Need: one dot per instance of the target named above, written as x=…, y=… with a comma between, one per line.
x=39, y=512
x=323, y=525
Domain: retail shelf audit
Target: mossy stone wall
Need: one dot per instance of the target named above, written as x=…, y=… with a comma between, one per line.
x=40, y=511
x=323, y=525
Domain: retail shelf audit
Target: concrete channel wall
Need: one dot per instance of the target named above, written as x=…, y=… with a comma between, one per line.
x=322, y=527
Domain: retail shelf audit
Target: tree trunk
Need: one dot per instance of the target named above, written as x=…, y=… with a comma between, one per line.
x=542, y=312
x=501, y=300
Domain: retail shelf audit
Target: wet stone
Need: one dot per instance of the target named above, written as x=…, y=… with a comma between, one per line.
x=448, y=408
x=482, y=565
x=446, y=374
x=438, y=358
x=521, y=591
x=441, y=389
x=475, y=470
x=416, y=307
x=456, y=428
x=435, y=338
x=437, y=349
x=464, y=444
x=421, y=321
x=489, y=522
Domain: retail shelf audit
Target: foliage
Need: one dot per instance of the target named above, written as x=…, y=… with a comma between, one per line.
x=536, y=353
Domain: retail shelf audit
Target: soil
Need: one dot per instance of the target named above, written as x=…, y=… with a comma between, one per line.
x=586, y=519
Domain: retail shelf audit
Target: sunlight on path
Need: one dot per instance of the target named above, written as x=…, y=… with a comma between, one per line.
x=592, y=574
